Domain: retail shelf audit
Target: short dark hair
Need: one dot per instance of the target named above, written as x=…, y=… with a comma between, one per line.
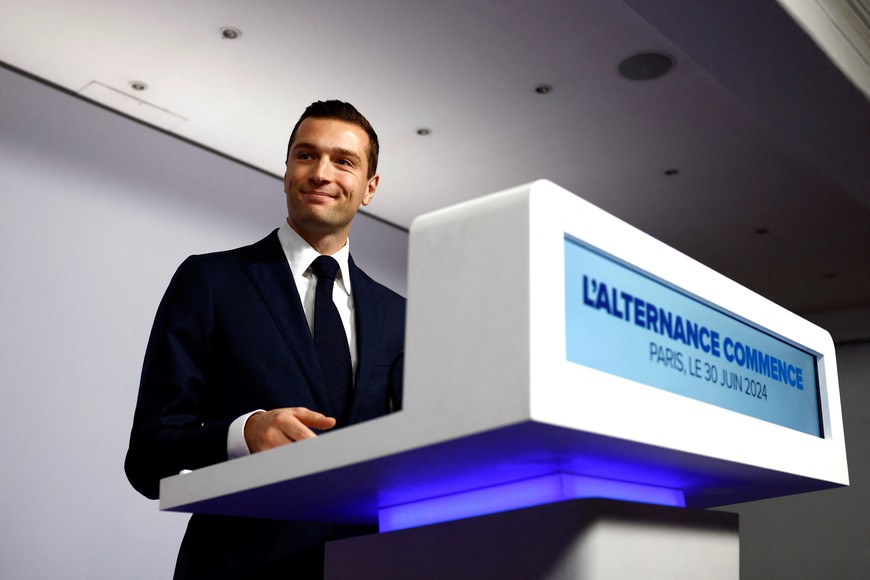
x=341, y=111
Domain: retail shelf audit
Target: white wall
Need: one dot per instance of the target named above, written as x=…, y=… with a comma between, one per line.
x=96, y=212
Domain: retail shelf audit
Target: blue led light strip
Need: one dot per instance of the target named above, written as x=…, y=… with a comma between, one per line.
x=519, y=494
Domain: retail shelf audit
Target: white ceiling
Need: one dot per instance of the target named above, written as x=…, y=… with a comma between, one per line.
x=765, y=131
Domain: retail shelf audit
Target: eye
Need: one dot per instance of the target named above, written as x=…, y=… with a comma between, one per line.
x=345, y=162
x=303, y=155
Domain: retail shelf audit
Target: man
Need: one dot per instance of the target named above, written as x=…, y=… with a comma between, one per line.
x=234, y=366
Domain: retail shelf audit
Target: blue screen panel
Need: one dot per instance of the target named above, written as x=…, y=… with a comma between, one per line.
x=623, y=321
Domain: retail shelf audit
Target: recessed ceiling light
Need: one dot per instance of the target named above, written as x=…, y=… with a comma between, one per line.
x=230, y=32
x=138, y=85
x=543, y=89
x=646, y=66
x=672, y=171
x=423, y=131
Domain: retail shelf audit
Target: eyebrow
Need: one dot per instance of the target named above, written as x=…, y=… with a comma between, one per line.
x=337, y=152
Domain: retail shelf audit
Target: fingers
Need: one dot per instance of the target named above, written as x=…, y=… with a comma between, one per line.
x=268, y=429
x=314, y=419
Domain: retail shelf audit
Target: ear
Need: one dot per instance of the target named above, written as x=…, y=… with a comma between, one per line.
x=287, y=180
x=370, y=188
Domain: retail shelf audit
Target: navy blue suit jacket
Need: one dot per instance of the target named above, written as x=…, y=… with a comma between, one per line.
x=230, y=336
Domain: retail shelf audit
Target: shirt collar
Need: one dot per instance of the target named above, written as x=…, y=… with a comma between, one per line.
x=300, y=254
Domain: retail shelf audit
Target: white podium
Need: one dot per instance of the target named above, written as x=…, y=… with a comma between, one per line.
x=554, y=352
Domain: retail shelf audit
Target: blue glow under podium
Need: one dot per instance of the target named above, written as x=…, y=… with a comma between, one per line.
x=555, y=352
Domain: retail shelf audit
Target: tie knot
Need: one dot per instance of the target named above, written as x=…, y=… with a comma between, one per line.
x=325, y=267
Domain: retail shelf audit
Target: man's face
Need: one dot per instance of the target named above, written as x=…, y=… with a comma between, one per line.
x=326, y=179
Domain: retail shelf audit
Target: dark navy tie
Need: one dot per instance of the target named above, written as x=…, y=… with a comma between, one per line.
x=330, y=340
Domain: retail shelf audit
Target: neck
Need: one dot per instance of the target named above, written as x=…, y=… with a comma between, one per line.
x=326, y=243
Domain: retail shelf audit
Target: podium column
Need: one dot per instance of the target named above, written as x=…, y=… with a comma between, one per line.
x=586, y=539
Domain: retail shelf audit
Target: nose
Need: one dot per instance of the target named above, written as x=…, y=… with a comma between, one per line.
x=321, y=171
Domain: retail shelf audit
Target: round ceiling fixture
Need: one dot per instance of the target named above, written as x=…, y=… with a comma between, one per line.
x=646, y=66
x=230, y=32
x=424, y=131
x=138, y=85
x=543, y=89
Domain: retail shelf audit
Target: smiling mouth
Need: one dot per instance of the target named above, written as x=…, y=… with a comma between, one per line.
x=318, y=194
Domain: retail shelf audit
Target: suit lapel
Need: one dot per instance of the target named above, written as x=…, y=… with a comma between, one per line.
x=369, y=326
x=270, y=274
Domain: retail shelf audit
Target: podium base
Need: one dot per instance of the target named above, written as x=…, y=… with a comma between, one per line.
x=586, y=539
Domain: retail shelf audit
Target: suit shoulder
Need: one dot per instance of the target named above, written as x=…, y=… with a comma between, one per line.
x=375, y=287
x=265, y=248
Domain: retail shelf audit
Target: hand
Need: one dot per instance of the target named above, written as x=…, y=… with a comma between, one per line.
x=268, y=429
